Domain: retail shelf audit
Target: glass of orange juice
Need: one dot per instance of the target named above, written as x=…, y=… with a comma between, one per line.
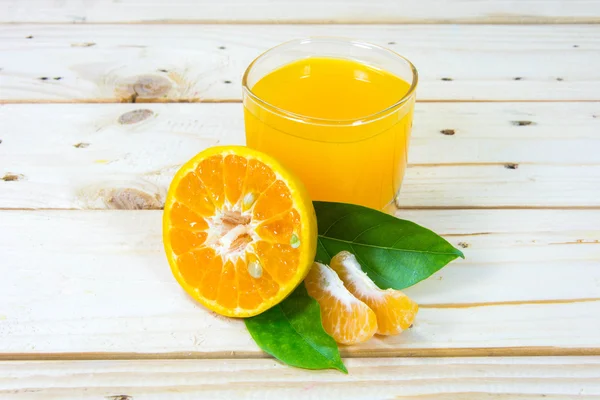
x=337, y=112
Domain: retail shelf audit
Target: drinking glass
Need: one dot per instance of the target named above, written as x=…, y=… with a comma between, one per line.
x=358, y=160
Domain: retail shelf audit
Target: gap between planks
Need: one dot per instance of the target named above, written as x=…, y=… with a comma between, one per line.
x=530, y=351
x=512, y=303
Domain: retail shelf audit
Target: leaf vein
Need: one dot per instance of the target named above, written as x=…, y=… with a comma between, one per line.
x=397, y=240
x=336, y=221
x=324, y=248
x=388, y=248
x=366, y=230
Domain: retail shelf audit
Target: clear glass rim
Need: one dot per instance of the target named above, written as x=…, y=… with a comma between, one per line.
x=323, y=121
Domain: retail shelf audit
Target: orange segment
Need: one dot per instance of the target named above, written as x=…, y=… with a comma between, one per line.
x=281, y=228
x=345, y=318
x=228, y=291
x=185, y=240
x=258, y=178
x=275, y=200
x=248, y=296
x=211, y=279
x=191, y=192
x=183, y=217
x=266, y=285
x=239, y=230
x=187, y=267
x=210, y=172
x=395, y=311
x=279, y=260
x=234, y=174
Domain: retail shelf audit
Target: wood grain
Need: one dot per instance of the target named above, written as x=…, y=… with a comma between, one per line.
x=191, y=63
x=307, y=11
x=103, y=156
x=404, y=378
x=514, y=184
x=98, y=282
x=527, y=351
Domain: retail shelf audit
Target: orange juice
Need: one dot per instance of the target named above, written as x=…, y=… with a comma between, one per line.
x=337, y=123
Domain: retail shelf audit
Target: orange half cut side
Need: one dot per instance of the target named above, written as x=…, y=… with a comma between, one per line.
x=239, y=230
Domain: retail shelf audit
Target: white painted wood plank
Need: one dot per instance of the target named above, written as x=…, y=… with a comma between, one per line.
x=98, y=63
x=294, y=11
x=556, y=156
x=523, y=378
x=98, y=281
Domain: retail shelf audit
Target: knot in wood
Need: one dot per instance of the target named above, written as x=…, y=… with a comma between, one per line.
x=132, y=199
x=522, y=123
x=135, y=116
x=151, y=86
x=12, y=177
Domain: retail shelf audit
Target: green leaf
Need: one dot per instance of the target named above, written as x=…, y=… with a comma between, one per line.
x=394, y=253
x=293, y=333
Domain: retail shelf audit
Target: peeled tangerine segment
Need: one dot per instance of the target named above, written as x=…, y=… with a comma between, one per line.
x=394, y=310
x=345, y=318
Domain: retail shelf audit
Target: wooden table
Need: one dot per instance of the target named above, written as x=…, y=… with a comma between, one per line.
x=505, y=163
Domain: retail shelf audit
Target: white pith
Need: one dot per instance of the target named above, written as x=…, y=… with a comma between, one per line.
x=220, y=237
x=331, y=283
x=361, y=281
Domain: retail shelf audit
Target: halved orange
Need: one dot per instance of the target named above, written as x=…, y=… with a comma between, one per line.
x=239, y=230
x=345, y=318
x=395, y=311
